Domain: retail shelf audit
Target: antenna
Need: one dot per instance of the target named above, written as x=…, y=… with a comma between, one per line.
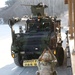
x=53, y=7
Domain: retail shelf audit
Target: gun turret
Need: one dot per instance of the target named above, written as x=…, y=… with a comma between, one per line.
x=39, y=8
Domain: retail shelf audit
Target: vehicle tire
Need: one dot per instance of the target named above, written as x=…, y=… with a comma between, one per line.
x=18, y=60
x=54, y=73
x=37, y=73
x=60, y=55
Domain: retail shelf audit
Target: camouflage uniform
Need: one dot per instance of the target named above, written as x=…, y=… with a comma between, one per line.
x=46, y=63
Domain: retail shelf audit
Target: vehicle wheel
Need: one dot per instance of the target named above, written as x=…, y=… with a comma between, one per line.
x=54, y=73
x=37, y=73
x=60, y=55
x=18, y=60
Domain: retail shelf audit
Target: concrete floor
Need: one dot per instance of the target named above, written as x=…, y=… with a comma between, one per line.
x=71, y=44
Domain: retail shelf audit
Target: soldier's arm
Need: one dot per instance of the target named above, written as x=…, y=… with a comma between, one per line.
x=53, y=56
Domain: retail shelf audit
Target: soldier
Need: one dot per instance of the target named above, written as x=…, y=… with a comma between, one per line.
x=46, y=63
x=39, y=17
x=20, y=29
x=38, y=21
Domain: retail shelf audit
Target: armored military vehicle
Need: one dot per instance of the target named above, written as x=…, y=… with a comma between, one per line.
x=40, y=31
